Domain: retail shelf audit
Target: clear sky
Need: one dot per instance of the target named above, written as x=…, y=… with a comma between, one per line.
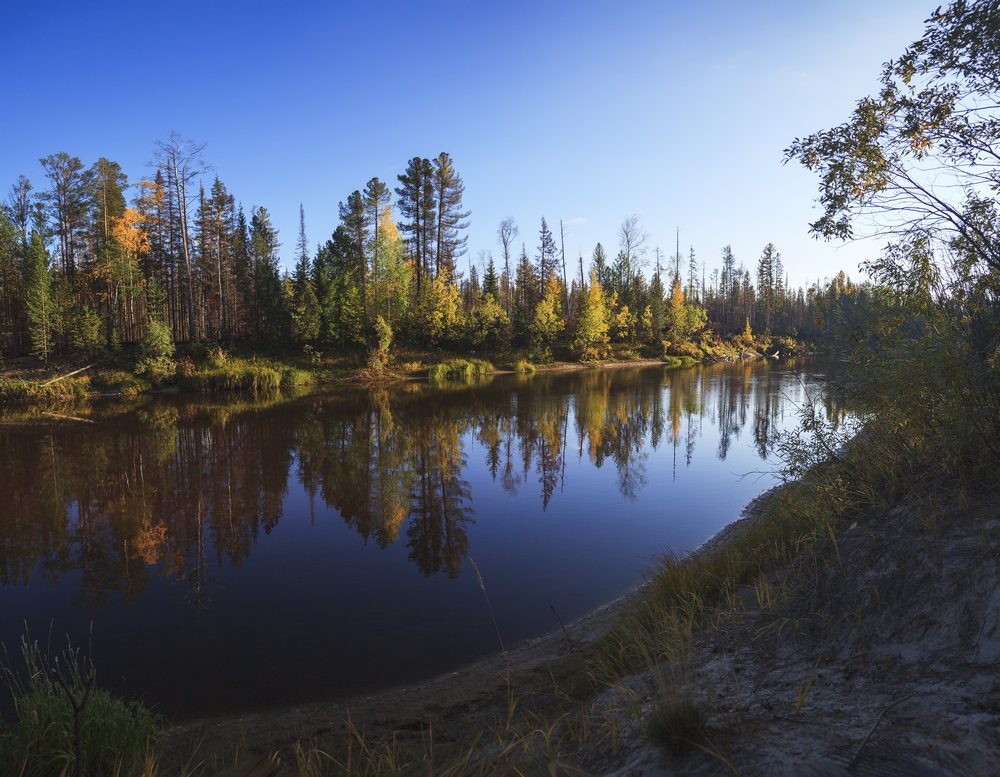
x=586, y=111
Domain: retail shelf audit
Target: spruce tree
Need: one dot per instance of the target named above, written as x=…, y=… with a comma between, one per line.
x=548, y=254
x=271, y=313
x=304, y=306
x=39, y=303
x=356, y=224
x=491, y=284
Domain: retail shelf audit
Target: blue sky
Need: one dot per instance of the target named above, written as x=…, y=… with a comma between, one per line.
x=584, y=111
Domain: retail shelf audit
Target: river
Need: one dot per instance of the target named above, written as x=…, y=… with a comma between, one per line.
x=226, y=554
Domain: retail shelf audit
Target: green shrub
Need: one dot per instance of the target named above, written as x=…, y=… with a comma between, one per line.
x=115, y=737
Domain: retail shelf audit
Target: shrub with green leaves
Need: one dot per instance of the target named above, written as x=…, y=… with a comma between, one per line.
x=113, y=736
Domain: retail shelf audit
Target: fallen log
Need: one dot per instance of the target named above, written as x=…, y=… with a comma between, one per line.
x=69, y=374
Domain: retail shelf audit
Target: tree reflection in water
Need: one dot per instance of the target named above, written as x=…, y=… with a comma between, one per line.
x=179, y=487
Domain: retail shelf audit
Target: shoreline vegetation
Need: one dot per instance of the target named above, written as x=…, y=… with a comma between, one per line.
x=203, y=369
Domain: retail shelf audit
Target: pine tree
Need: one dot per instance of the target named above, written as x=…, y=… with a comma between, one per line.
x=417, y=206
x=22, y=206
x=727, y=282
x=448, y=191
x=67, y=203
x=245, y=306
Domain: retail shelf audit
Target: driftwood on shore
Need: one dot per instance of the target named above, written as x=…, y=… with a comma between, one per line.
x=69, y=374
x=743, y=355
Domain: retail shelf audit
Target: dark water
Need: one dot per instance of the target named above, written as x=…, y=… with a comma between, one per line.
x=232, y=554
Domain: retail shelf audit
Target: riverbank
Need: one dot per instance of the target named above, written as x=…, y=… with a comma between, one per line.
x=202, y=369
x=873, y=644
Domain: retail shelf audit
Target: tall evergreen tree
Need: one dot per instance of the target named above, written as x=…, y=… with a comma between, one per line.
x=270, y=316
x=354, y=219
x=244, y=324
x=599, y=263
x=692, y=292
x=728, y=280
x=113, y=274
x=337, y=278
x=12, y=247
x=548, y=254
x=491, y=284
x=766, y=287
x=657, y=308
x=217, y=268
x=39, y=304
x=451, y=219
x=66, y=204
x=304, y=306
x=527, y=294
x=417, y=206
x=22, y=205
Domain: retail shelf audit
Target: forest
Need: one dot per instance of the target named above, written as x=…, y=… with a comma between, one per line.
x=92, y=263
x=879, y=510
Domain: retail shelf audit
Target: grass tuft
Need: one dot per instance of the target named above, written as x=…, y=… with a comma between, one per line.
x=66, y=726
x=676, y=724
x=465, y=370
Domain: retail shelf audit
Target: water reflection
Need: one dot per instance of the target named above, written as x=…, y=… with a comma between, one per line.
x=176, y=494
x=176, y=488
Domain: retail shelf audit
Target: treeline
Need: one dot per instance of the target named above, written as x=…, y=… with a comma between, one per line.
x=82, y=269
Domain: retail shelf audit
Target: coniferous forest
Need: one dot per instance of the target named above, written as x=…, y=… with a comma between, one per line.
x=91, y=260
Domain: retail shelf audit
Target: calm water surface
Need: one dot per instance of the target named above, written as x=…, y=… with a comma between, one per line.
x=233, y=554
